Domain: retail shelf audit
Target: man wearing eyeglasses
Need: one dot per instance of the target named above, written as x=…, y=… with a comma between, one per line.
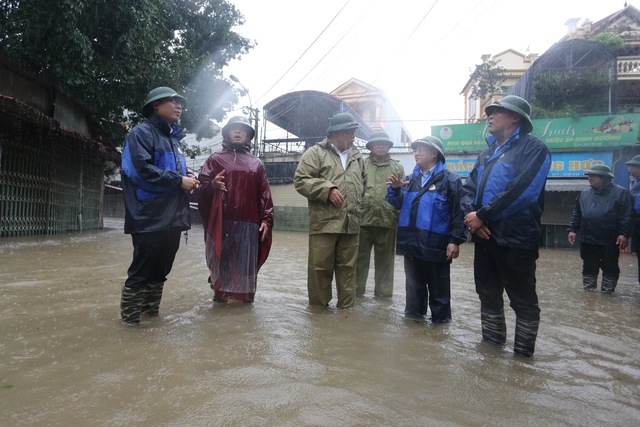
x=503, y=200
x=331, y=175
x=156, y=186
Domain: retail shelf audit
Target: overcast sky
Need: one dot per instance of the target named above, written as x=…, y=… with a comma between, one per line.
x=419, y=52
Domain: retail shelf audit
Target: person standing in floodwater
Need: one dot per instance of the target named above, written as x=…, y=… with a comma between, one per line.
x=603, y=215
x=379, y=219
x=331, y=175
x=235, y=204
x=503, y=200
x=634, y=171
x=430, y=230
x=155, y=185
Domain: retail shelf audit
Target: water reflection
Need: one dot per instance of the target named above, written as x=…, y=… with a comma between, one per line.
x=65, y=359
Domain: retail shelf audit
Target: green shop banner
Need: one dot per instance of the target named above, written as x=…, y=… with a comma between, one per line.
x=581, y=132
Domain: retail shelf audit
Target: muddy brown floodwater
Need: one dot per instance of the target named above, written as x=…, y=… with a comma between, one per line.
x=66, y=360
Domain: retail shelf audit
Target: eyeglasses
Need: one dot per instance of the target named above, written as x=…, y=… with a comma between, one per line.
x=177, y=101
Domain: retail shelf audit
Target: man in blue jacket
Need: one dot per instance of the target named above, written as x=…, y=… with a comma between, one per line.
x=155, y=185
x=430, y=230
x=603, y=215
x=502, y=200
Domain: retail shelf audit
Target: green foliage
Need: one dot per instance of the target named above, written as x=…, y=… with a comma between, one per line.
x=110, y=53
x=192, y=151
x=611, y=40
x=569, y=92
x=488, y=78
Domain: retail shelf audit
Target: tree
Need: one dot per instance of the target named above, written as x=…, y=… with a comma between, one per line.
x=110, y=53
x=567, y=92
x=488, y=78
x=614, y=42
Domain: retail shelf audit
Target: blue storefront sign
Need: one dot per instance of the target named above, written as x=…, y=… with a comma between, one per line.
x=571, y=165
x=563, y=165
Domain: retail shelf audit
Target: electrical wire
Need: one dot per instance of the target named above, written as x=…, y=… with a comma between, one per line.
x=305, y=51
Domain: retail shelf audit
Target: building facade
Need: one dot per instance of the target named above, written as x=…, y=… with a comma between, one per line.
x=509, y=66
x=372, y=104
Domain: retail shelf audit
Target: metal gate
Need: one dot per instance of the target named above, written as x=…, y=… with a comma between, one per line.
x=50, y=179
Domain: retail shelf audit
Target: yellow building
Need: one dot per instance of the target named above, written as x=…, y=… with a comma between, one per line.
x=372, y=104
x=513, y=64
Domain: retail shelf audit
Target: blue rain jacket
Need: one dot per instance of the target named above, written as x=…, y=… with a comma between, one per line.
x=152, y=169
x=506, y=190
x=430, y=216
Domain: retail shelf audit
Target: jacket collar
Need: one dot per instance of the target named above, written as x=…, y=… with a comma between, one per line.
x=326, y=144
x=164, y=127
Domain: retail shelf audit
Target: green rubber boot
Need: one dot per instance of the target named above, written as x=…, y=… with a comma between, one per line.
x=130, y=306
x=151, y=299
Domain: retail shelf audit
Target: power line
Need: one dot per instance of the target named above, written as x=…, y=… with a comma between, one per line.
x=384, y=69
x=305, y=51
x=328, y=52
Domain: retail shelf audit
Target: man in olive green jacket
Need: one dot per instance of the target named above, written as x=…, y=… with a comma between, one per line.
x=379, y=218
x=331, y=176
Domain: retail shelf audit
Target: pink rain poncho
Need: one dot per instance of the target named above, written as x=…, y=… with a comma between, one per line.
x=233, y=247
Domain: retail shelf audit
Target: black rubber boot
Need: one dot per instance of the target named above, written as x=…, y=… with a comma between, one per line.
x=526, y=333
x=494, y=328
x=589, y=282
x=608, y=284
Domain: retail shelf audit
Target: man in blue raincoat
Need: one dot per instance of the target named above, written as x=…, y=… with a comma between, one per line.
x=155, y=185
x=503, y=200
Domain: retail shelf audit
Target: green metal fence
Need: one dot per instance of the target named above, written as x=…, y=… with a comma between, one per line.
x=50, y=179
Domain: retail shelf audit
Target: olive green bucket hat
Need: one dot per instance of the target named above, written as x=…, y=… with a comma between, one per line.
x=634, y=161
x=342, y=121
x=432, y=142
x=159, y=93
x=379, y=136
x=239, y=120
x=517, y=105
x=602, y=170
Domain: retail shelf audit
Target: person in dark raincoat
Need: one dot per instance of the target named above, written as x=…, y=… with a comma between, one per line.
x=603, y=214
x=155, y=185
x=235, y=204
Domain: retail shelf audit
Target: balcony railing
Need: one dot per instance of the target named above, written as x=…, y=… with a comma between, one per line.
x=628, y=67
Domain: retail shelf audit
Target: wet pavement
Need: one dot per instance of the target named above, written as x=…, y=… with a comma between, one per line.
x=66, y=360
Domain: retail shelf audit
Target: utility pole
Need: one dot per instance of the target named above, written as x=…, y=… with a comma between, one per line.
x=253, y=115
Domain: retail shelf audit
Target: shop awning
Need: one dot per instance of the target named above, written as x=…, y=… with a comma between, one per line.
x=558, y=184
x=306, y=114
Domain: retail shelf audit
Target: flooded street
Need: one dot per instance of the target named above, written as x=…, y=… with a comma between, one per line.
x=65, y=359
